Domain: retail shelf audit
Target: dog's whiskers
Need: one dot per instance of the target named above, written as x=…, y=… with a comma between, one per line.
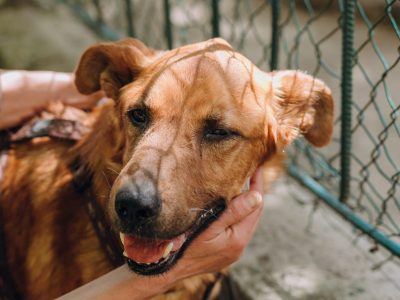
x=205, y=213
x=105, y=176
x=197, y=209
x=112, y=170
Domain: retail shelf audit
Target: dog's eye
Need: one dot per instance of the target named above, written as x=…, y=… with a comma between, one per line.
x=139, y=117
x=216, y=134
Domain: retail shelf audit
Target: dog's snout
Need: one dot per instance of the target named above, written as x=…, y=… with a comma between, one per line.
x=133, y=207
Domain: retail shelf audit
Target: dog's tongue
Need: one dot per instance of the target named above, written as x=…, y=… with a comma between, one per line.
x=144, y=250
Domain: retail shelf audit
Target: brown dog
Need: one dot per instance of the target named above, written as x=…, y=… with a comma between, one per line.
x=185, y=130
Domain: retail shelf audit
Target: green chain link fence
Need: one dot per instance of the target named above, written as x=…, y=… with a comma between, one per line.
x=352, y=45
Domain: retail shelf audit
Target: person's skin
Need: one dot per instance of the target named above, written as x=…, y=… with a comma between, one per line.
x=216, y=248
x=24, y=93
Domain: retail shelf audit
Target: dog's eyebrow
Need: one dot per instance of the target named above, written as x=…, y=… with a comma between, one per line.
x=213, y=117
x=219, y=118
x=140, y=103
x=213, y=121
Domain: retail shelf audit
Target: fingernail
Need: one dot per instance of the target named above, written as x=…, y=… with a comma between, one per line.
x=255, y=200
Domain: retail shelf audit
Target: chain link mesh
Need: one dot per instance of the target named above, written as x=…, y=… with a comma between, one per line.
x=374, y=183
x=310, y=39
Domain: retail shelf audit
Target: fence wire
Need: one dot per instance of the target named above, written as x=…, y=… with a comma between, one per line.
x=374, y=133
x=364, y=157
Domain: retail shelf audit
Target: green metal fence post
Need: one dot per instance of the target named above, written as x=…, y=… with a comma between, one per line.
x=275, y=11
x=101, y=28
x=346, y=90
x=129, y=18
x=99, y=11
x=168, y=24
x=215, y=18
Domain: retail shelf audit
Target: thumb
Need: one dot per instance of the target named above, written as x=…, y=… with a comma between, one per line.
x=237, y=210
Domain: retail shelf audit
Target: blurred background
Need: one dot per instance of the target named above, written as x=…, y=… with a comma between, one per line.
x=303, y=249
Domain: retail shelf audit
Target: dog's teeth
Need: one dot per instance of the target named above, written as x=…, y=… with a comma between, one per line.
x=125, y=254
x=168, y=249
x=121, y=236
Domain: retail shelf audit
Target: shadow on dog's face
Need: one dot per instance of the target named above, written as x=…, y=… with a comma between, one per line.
x=196, y=121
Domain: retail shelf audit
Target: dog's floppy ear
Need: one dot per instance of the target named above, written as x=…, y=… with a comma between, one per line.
x=301, y=104
x=109, y=66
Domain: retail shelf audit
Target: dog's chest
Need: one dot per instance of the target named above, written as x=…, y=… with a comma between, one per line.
x=51, y=246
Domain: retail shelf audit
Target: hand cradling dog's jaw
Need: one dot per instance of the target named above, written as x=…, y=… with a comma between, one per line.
x=191, y=124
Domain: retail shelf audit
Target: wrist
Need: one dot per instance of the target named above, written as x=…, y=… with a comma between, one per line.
x=40, y=87
x=155, y=285
x=61, y=86
x=122, y=284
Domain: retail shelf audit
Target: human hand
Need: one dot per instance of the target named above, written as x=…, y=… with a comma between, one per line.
x=24, y=93
x=63, y=89
x=213, y=250
x=225, y=240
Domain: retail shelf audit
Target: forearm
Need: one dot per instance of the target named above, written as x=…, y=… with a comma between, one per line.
x=121, y=284
x=23, y=93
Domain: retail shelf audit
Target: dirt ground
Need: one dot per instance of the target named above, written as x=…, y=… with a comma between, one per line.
x=303, y=251
x=300, y=251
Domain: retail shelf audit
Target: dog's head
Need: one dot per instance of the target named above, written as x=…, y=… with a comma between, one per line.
x=196, y=122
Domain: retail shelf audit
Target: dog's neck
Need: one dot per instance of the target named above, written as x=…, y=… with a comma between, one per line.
x=100, y=152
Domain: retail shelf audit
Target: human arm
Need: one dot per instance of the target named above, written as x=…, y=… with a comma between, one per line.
x=24, y=93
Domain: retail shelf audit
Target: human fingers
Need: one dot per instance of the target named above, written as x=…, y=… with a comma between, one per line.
x=256, y=181
x=239, y=207
x=246, y=226
x=237, y=210
x=86, y=101
x=74, y=98
x=244, y=229
x=246, y=203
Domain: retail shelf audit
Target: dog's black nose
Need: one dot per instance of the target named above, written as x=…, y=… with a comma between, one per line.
x=132, y=206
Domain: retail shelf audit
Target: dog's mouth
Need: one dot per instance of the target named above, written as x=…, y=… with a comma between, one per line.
x=147, y=256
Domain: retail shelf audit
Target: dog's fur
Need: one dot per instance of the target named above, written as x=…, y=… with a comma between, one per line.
x=51, y=245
